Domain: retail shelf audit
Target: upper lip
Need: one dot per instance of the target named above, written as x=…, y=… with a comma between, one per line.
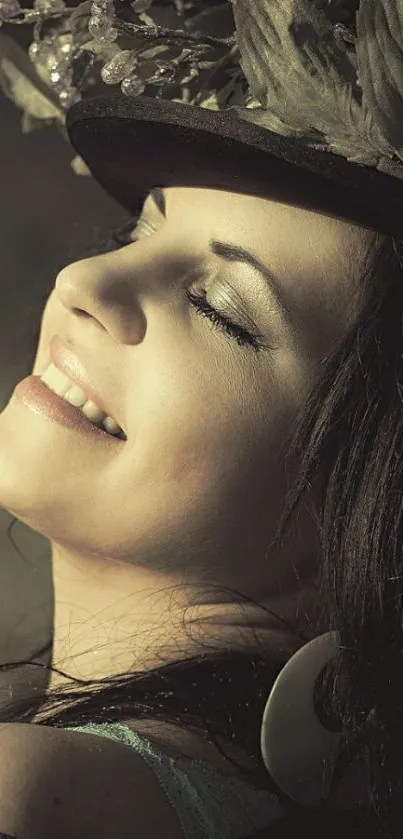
x=66, y=360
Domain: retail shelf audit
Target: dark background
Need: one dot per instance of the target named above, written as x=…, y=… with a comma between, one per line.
x=47, y=214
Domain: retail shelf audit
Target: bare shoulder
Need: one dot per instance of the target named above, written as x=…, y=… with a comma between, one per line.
x=73, y=785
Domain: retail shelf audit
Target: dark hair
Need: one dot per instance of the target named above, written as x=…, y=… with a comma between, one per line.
x=349, y=434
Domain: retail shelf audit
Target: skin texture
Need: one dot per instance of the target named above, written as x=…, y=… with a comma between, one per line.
x=142, y=530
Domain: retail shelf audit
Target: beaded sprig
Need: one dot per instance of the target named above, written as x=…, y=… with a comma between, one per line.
x=163, y=45
x=94, y=26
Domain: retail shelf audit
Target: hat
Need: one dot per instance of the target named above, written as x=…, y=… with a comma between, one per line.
x=322, y=127
x=301, y=103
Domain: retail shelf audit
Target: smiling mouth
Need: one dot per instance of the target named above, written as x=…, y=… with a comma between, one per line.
x=65, y=389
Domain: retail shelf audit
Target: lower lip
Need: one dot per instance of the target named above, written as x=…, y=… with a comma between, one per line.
x=33, y=393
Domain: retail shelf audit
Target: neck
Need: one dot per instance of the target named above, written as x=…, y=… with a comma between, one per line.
x=110, y=619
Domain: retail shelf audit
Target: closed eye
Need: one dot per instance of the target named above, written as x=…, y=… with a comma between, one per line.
x=129, y=234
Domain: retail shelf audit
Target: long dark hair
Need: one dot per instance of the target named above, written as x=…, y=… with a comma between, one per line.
x=349, y=434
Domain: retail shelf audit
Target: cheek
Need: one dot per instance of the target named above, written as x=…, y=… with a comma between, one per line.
x=200, y=457
x=192, y=443
x=181, y=445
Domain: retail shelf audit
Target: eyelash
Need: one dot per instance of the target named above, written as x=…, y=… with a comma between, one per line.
x=124, y=236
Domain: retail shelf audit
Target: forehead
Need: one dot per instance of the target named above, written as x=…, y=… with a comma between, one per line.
x=268, y=216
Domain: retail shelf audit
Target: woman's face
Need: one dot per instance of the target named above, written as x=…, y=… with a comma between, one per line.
x=197, y=488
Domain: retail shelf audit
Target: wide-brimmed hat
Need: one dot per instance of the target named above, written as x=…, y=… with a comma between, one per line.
x=322, y=79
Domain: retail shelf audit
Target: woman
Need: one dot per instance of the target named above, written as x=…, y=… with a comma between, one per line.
x=171, y=557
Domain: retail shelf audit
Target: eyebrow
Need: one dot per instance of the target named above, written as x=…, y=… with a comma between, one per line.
x=236, y=253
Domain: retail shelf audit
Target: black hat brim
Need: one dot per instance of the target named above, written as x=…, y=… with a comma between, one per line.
x=133, y=144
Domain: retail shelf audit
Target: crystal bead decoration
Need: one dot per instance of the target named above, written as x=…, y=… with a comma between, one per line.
x=100, y=23
x=9, y=9
x=66, y=49
x=132, y=86
x=40, y=51
x=59, y=80
x=102, y=30
x=33, y=51
x=119, y=67
x=67, y=98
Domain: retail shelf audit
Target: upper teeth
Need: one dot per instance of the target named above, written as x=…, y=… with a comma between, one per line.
x=63, y=387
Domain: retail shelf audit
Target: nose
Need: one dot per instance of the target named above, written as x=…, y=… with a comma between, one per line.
x=105, y=289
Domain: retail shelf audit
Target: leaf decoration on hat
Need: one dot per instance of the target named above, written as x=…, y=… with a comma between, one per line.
x=21, y=84
x=27, y=89
x=310, y=84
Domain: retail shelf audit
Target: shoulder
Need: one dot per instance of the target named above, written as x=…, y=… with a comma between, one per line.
x=73, y=785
